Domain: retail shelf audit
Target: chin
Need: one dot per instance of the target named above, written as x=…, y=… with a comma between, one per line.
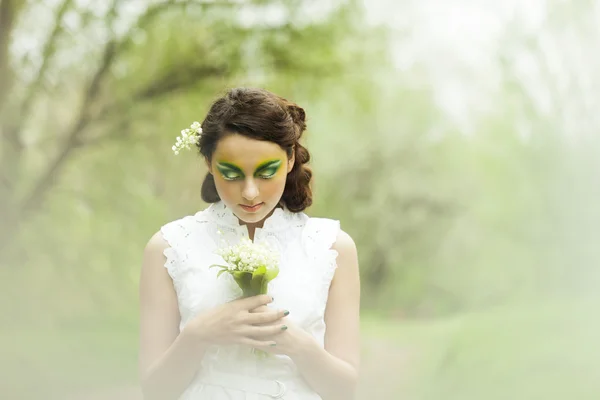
x=252, y=217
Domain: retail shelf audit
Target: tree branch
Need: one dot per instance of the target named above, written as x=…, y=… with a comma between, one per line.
x=47, y=54
x=178, y=80
x=170, y=83
x=11, y=145
x=155, y=10
x=13, y=148
x=8, y=13
x=70, y=143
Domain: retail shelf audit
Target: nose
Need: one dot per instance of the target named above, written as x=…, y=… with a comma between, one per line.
x=250, y=191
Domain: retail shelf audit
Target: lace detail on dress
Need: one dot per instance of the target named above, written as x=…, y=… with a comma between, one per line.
x=320, y=235
x=177, y=255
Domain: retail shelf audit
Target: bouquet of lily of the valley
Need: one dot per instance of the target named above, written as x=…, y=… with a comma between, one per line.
x=252, y=265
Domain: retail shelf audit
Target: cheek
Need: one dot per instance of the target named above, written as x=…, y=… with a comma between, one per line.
x=225, y=189
x=274, y=186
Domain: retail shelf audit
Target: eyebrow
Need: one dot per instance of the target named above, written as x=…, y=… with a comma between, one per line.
x=267, y=164
x=260, y=167
x=230, y=166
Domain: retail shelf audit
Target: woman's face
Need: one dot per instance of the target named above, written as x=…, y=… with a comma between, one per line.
x=250, y=172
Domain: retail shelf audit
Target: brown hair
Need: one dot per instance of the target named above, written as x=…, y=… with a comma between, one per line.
x=261, y=115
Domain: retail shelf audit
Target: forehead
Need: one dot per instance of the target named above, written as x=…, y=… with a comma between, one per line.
x=246, y=152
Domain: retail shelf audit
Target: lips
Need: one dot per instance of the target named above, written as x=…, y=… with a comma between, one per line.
x=253, y=208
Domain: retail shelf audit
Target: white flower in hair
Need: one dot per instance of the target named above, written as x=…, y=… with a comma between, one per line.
x=189, y=137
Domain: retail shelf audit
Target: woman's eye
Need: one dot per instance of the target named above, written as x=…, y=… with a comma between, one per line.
x=268, y=174
x=231, y=177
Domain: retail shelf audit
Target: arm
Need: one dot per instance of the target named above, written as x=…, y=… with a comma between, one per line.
x=168, y=360
x=333, y=371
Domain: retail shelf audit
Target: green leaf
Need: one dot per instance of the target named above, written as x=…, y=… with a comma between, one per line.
x=272, y=274
x=221, y=272
x=257, y=279
x=264, y=287
x=267, y=275
x=243, y=279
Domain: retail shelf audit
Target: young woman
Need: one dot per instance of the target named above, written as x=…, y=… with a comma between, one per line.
x=197, y=335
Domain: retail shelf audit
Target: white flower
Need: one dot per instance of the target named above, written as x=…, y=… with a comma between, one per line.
x=248, y=256
x=196, y=127
x=188, y=138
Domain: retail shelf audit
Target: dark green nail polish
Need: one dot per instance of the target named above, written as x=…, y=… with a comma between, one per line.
x=286, y=312
x=283, y=328
x=273, y=344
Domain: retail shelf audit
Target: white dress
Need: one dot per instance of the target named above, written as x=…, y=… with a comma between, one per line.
x=307, y=267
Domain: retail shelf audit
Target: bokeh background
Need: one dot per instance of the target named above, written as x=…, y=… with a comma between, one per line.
x=457, y=141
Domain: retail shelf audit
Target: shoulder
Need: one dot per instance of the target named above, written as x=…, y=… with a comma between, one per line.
x=186, y=220
x=347, y=270
x=156, y=244
x=320, y=224
x=347, y=253
x=172, y=244
x=160, y=253
x=155, y=250
x=163, y=242
x=154, y=256
x=322, y=232
x=333, y=236
x=344, y=244
x=175, y=232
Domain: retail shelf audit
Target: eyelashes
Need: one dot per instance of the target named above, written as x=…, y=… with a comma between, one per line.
x=234, y=177
x=269, y=173
x=230, y=172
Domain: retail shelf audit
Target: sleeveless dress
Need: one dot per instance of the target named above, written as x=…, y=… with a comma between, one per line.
x=307, y=265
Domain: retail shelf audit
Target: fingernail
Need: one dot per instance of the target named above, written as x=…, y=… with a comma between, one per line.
x=283, y=328
x=286, y=312
x=273, y=344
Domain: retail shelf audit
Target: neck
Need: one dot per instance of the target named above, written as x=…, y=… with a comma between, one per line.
x=252, y=226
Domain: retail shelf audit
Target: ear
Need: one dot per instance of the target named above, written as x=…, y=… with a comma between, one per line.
x=208, y=165
x=291, y=160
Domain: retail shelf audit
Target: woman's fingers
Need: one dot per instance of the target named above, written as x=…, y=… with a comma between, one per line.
x=266, y=317
x=264, y=331
x=250, y=303
x=260, y=309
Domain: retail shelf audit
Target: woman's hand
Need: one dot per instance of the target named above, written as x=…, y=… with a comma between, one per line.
x=234, y=323
x=288, y=339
